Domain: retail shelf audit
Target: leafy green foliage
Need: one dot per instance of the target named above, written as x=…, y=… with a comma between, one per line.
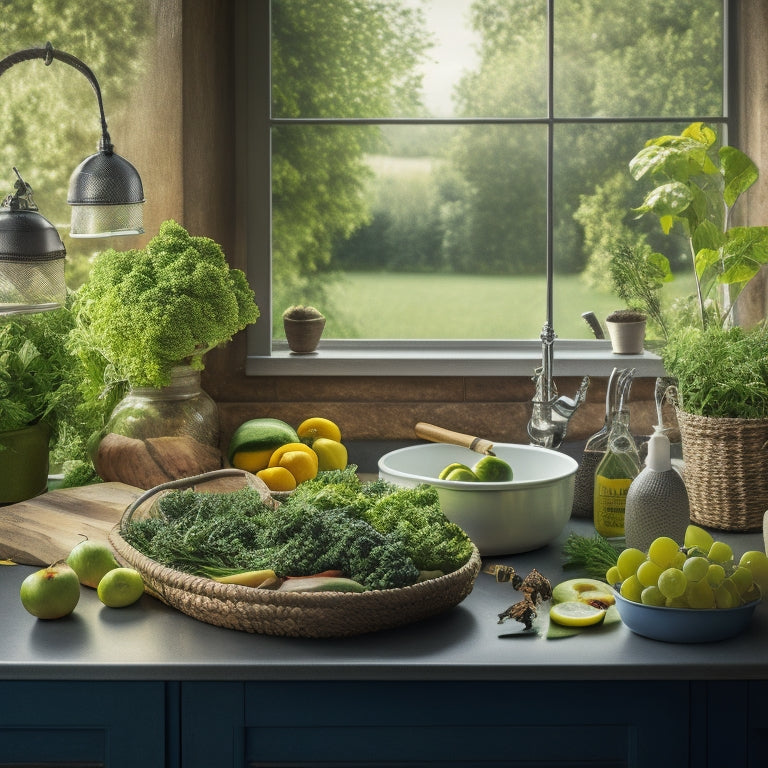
x=237, y=530
x=377, y=534
x=720, y=372
x=697, y=187
x=147, y=310
x=33, y=365
x=638, y=274
x=412, y=515
x=593, y=555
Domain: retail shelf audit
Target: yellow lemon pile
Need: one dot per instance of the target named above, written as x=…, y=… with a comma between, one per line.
x=283, y=457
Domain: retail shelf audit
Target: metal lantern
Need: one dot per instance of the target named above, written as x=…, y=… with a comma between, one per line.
x=31, y=256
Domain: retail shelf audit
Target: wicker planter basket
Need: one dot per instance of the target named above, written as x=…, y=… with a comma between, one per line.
x=294, y=614
x=726, y=470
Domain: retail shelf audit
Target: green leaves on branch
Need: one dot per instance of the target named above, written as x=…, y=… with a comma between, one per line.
x=697, y=186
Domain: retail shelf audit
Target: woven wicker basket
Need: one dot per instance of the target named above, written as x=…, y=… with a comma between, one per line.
x=294, y=614
x=726, y=470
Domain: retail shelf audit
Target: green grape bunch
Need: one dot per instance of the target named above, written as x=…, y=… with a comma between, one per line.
x=699, y=574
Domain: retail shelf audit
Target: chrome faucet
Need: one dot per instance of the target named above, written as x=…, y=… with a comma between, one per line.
x=551, y=413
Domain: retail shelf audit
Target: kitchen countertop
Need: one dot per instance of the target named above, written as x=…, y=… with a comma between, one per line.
x=150, y=641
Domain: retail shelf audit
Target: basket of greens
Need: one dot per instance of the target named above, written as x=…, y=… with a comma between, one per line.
x=338, y=557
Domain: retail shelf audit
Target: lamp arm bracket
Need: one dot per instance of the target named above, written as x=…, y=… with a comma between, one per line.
x=48, y=54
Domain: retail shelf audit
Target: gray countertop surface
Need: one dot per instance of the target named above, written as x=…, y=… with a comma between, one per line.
x=151, y=641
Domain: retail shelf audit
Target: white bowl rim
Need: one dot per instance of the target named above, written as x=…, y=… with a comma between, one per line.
x=462, y=485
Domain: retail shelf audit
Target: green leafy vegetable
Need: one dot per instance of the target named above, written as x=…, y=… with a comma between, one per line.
x=412, y=515
x=593, y=555
x=33, y=365
x=149, y=310
x=720, y=372
x=337, y=523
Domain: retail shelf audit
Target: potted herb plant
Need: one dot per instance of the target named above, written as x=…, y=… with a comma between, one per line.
x=722, y=400
x=303, y=328
x=637, y=276
x=145, y=321
x=626, y=329
x=34, y=365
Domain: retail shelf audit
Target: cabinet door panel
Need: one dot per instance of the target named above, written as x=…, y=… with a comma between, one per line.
x=409, y=725
x=82, y=723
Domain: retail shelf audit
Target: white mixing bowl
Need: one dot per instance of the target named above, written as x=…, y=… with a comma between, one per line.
x=501, y=518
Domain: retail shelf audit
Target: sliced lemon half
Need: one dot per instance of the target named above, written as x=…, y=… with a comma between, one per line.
x=575, y=613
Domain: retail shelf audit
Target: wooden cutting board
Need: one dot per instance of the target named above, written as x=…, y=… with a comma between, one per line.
x=42, y=530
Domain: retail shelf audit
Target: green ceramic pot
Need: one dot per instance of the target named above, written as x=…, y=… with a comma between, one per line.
x=23, y=463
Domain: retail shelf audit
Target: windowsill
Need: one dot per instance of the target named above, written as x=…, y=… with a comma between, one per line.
x=572, y=357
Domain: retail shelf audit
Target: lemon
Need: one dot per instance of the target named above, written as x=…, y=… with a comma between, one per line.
x=311, y=429
x=301, y=465
x=277, y=478
x=252, y=461
x=491, y=469
x=575, y=613
x=447, y=471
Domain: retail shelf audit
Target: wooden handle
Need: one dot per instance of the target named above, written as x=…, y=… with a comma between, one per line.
x=441, y=435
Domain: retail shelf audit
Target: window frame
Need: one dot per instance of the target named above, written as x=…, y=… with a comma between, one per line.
x=419, y=357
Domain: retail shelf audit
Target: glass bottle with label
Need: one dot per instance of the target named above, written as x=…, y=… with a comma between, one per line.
x=613, y=476
x=594, y=450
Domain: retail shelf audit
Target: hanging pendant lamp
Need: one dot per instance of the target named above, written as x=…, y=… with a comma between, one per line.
x=106, y=197
x=31, y=256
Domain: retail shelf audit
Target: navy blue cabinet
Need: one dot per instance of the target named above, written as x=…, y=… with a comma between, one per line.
x=384, y=724
x=426, y=724
x=88, y=724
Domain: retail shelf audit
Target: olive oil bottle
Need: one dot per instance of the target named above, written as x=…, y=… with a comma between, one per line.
x=613, y=476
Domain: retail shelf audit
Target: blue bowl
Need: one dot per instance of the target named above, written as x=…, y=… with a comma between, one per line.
x=684, y=625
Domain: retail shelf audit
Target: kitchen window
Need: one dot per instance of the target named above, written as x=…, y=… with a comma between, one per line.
x=421, y=193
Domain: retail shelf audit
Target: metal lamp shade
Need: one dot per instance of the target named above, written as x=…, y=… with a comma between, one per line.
x=31, y=263
x=106, y=196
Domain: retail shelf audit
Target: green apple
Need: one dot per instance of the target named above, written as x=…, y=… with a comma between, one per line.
x=90, y=560
x=52, y=592
x=120, y=587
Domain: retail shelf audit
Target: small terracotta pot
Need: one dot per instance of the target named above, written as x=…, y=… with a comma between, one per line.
x=303, y=335
x=627, y=338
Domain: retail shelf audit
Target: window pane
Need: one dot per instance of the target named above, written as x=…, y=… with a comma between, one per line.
x=440, y=227
x=593, y=202
x=450, y=241
x=644, y=58
x=407, y=58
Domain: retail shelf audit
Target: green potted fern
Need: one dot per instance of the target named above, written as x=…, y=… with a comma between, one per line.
x=34, y=364
x=721, y=369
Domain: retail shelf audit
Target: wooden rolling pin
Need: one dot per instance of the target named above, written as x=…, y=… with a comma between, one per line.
x=441, y=435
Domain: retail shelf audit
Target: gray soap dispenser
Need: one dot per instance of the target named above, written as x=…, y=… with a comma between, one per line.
x=657, y=501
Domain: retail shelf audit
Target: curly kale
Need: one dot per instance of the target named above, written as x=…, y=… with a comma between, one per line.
x=148, y=310
x=411, y=515
x=414, y=517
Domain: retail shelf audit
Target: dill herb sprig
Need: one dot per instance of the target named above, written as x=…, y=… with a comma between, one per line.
x=594, y=555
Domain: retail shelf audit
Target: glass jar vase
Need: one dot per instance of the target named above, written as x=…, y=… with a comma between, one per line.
x=157, y=435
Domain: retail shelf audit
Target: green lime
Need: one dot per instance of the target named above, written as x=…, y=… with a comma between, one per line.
x=463, y=474
x=492, y=469
x=447, y=471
